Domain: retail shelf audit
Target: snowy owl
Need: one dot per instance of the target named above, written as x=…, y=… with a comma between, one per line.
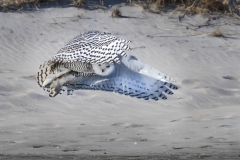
x=97, y=61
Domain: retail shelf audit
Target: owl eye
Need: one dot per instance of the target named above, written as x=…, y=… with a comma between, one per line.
x=107, y=66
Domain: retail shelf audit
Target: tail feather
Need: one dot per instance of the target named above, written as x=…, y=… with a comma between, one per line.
x=59, y=85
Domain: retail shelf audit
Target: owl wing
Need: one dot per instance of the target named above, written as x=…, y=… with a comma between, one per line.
x=51, y=70
x=93, y=47
x=138, y=66
x=125, y=81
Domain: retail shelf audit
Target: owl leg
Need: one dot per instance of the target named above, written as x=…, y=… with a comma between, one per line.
x=58, y=84
x=55, y=88
x=69, y=91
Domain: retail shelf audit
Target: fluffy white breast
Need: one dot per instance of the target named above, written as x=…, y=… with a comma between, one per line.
x=103, y=69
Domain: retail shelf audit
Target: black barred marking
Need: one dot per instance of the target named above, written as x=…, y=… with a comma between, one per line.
x=77, y=66
x=172, y=86
x=100, y=47
x=141, y=92
x=125, y=91
x=82, y=74
x=163, y=96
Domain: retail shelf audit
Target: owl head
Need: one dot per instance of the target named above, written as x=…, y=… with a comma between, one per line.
x=103, y=69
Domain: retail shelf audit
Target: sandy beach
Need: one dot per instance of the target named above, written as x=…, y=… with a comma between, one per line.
x=200, y=121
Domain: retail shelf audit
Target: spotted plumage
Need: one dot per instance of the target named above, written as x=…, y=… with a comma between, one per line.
x=127, y=82
x=61, y=68
x=97, y=61
x=93, y=47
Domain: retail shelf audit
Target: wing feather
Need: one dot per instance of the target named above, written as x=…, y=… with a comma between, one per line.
x=126, y=81
x=93, y=47
x=138, y=66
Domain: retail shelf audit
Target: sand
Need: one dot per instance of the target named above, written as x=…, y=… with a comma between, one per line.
x=201, y=119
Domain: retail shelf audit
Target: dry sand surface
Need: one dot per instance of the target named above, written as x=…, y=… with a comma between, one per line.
x=200, y=121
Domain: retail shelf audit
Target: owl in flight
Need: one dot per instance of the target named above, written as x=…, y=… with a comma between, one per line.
x=97, y=61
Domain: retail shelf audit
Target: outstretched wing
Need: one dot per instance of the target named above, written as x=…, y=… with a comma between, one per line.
x=93, y=47
x=138, y=66
x=125, y=81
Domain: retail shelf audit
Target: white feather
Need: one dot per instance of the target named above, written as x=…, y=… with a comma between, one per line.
x=112, y=69
x=138, y=66
x=127, y=80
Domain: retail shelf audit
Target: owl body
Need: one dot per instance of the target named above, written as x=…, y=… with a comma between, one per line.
x=97, y=61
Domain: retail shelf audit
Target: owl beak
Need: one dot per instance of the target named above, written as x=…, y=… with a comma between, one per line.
x=102, y=70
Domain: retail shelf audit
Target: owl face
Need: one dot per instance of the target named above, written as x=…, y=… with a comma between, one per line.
x=103, y=69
